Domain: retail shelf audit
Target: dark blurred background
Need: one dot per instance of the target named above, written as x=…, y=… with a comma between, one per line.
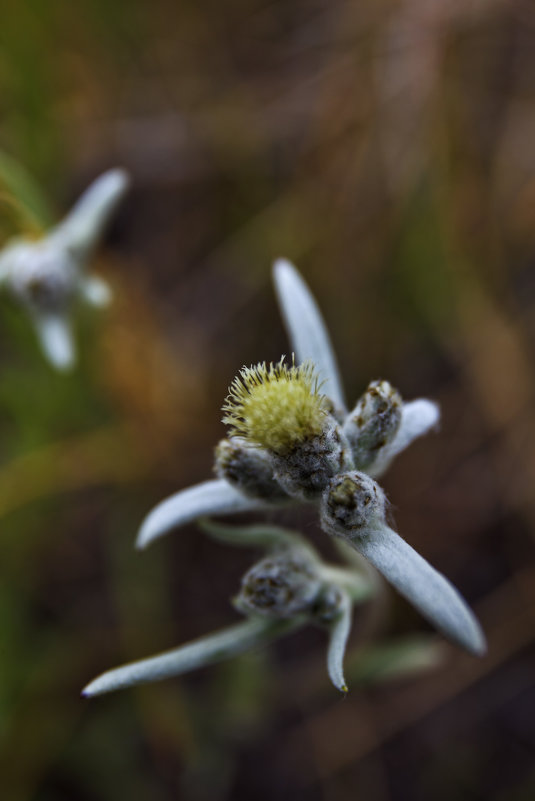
x=388, y=148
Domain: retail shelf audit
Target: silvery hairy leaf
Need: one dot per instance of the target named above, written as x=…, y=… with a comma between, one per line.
x=417, y=418
x=82, y=228
x=55, y=335
x=423, y=586
x=338, y=636
x=205, y=651
x=306, y=330
x=215, y=497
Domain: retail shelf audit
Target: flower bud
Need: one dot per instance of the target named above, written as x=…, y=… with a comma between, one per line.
x=374, y=422
x=351, y=504
x=248, y=468
x=307, y=469
x=283, y=585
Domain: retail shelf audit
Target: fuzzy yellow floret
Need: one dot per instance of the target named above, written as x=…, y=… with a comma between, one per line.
x=276, y=406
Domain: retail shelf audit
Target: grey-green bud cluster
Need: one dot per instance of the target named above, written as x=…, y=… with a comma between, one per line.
x=307, y=469
x=282, y=585
x=373, y=423
x=351, y=505
x=321, y=467
x=248, y=468
x=290, y=583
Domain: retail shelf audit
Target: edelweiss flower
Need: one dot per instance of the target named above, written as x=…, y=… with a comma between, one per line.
x=293, y=439
x=47, y=275
x=288, y=589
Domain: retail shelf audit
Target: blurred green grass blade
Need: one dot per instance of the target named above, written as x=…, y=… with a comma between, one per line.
x=31, y=204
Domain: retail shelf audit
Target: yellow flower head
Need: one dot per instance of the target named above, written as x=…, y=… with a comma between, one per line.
x=276, y=406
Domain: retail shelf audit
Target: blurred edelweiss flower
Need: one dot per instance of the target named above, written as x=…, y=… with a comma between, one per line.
x=47, y=275
x=292, y=439
x=287, y=589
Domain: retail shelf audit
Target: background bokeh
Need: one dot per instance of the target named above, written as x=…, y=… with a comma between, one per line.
x=388, y=148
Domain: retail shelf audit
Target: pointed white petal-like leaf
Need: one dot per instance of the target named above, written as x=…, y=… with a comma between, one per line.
x=80, y=231
x=417, y=418
x=423, y=586
x=216, y=497
x=205, y=651
x=56, y=338
x=306, y=329
x=338, y=636
x=95, y=291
